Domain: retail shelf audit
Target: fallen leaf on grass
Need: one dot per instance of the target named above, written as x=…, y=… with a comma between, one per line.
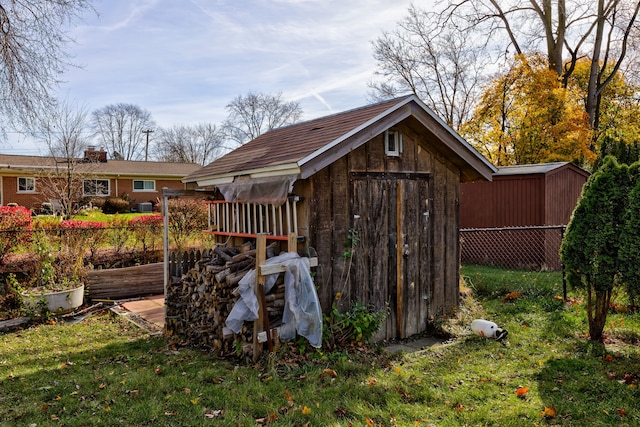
x=370, y=422
x=609, y=358
x=213, y=413
x=341, y=412
x=403, y=393
x=289, y=398
x=621, y=412
x=630, y=379
x=458, y=407
x=573, y=300
x=511, y=296
x=306, y=410
x=548, y=412
x=330, y=372
x=521, y=392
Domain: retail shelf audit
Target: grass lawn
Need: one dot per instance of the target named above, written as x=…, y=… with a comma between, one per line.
x=103, y=371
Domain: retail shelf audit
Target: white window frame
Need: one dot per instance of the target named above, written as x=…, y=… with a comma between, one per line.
x=143, y=181
x=84, y=187
x=27, y=179
x=392, y=143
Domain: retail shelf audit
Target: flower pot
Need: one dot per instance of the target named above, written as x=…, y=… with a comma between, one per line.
x=55, y=302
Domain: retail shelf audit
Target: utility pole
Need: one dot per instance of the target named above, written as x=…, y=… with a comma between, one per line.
x=146, y=150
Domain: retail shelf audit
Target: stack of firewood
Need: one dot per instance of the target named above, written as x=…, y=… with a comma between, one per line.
x=199, y=302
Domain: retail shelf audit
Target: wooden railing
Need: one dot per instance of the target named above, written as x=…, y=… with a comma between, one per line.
x=250, y=219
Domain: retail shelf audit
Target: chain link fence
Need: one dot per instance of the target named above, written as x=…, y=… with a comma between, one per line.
x=525, y=248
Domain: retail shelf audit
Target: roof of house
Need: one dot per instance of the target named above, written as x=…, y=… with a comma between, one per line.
x=534, y=169
x=13, y=163
x=305, y=148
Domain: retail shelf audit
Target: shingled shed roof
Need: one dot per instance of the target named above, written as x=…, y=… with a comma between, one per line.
x=305, y=148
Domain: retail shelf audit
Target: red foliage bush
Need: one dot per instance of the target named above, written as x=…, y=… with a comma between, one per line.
x=154, y=220
x=15, y=228
x=79, y=224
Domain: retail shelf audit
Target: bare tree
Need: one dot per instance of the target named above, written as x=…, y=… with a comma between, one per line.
x=202, y=144
x=256, y=113
x=65, y=133
x=33, y=41
x=566, y=30
x=439, y=64
x=121, y=128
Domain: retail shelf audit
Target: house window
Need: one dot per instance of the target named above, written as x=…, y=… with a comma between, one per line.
x=26, y=185
x=95, y=187
x=140, y=185
x=392, y=143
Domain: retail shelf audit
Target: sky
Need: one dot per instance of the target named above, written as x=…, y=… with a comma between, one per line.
x=184, y=61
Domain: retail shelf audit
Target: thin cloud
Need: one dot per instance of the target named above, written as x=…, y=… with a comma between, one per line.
x=185, y=61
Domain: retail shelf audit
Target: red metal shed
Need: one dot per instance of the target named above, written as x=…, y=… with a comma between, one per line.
x=524, y=195
x=516, y=220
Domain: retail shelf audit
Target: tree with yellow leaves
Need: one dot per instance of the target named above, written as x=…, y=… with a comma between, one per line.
x=527, y=116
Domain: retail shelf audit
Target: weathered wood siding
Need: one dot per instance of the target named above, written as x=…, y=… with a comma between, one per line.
x=421, y=187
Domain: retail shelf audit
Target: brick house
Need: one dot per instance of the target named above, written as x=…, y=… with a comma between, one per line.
x=22, y=178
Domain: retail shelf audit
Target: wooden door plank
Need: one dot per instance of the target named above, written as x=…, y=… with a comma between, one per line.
x=400, y=197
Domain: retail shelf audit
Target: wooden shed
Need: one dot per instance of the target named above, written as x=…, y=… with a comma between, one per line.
x=524, y=195
x=373, y=191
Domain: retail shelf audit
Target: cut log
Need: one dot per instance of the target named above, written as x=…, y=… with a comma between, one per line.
x=129, y=282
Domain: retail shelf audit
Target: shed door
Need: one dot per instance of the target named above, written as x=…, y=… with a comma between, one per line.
x=391, y=218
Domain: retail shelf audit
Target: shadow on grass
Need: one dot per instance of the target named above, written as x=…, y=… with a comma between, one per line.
x=144, y=381
x=590, y=384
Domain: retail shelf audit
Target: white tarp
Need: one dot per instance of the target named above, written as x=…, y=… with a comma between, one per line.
x=264, y=190
x=302, y=312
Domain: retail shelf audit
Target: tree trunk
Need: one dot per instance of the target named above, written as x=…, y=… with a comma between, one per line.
x=597, y=313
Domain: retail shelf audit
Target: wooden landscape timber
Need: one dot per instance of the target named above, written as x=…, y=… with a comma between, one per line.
x=128, y=282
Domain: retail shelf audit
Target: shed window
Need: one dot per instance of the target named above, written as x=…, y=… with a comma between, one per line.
x=95, y=187
x=26, y=185
x=140, y=185
x=392, y=143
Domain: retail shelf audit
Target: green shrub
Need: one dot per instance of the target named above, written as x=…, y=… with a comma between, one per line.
x=356, y=325
x=114, y=205
x=96, y=202
x=591, y=245
x=186, y=217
